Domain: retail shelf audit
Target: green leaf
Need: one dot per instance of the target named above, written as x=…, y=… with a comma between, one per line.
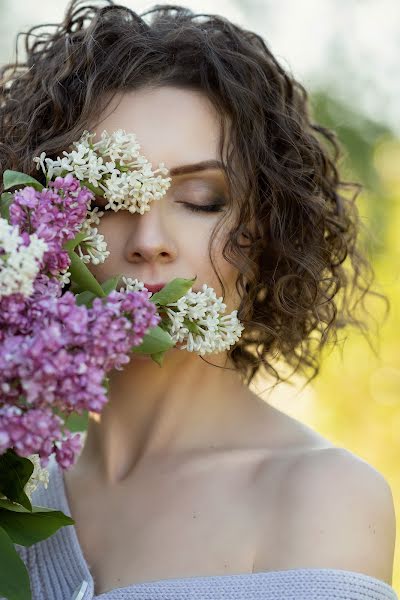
x=171, y=292
x=16, y=178
x=8, y=505
x=85, y=298
x=27, y=528
x=82, y=277
x=6, y=199
x=14, y=577
x=191, y=325
x=155, y=341
x=76, y=422
x=96, y=190
x=165, y=323
x=15, y=472
x=4, y=503
x=111, y=284
x=72, y=244
x=158, y=357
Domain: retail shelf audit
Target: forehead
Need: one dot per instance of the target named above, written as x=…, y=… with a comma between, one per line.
x=172, y=125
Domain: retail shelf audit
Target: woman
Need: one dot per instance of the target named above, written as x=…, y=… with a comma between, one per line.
x=189, y=485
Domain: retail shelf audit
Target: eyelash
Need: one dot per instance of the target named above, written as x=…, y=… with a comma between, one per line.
x=205, y=208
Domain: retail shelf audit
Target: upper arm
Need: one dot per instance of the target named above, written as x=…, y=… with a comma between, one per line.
x=338, y=512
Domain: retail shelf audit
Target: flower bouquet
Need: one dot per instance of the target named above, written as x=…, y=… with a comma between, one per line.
x=57, y=348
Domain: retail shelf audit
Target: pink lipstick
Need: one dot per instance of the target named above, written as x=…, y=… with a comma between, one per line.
x=155, y=287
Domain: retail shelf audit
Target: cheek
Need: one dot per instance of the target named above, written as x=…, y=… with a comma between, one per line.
x=194, y=253
x=226, y=270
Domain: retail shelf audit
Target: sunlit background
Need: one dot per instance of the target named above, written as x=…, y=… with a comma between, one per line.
x=347, y=55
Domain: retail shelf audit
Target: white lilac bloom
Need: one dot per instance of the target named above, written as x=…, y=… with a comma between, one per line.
x=133, y=285
x=93, y=242
x=118, y=146
x=134, y=190
x=213, y=331
x=114, y=168
x=39, y=476
x=64, y=277
x=19, y=264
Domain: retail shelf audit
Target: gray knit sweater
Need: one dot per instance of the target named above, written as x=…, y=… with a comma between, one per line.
x=58, y=571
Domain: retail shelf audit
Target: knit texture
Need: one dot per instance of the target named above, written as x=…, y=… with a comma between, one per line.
x=58, y=571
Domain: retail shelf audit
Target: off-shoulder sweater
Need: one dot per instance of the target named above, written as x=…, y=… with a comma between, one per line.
x=58, y=571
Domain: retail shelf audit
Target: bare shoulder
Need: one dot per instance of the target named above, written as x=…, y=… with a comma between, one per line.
x=333, y=510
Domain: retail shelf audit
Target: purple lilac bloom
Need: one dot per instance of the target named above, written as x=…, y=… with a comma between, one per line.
x=37, y=431
x=18, y=313
x=55, y=214
x=62, y=363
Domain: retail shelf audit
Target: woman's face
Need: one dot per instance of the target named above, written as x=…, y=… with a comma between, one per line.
x=177, y=127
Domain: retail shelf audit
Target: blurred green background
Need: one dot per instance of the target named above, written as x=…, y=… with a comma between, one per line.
x=347, y=55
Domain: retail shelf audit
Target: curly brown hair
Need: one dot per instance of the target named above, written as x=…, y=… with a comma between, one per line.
x=281, y=167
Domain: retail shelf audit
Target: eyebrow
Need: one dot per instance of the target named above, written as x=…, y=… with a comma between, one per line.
x=200, y=166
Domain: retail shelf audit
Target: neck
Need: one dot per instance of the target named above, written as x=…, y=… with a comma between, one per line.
x=159, y=412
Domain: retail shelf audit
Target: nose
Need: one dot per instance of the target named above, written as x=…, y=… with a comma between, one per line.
x=151, y=238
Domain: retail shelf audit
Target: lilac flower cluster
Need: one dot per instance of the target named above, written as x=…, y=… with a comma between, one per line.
x=56, y=356
x=54, y=353
x=37, y=431
x=55, y=214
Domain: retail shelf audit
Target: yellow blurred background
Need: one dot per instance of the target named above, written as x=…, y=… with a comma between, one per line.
x=355, y=400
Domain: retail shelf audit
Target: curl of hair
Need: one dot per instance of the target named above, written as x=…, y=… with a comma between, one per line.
x=281, y=167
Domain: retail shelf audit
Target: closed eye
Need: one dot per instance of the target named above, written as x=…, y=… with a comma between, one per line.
x=205, y=207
